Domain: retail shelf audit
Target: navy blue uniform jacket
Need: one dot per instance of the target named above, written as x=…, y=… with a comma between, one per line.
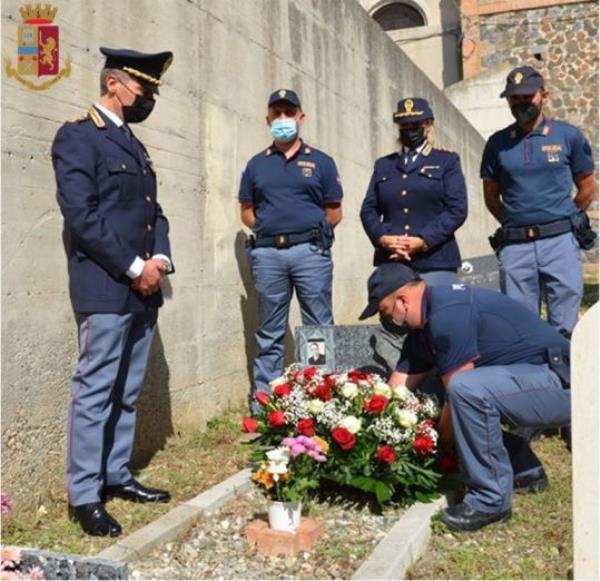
x=427, y=198
x=107, y=195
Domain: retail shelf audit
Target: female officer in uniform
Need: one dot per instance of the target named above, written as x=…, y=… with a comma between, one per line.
x=416, y=200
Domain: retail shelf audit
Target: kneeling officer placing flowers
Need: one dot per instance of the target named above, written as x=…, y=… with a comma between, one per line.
x=499, y=363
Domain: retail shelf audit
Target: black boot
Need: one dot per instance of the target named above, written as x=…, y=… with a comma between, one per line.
x=94, y=520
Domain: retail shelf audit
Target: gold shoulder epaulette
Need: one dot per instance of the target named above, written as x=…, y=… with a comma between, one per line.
x=96, y=118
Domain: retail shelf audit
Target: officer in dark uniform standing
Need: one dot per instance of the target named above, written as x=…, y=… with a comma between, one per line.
x=118, y=251
x=499, y=363
x=417, y=199
x=528, y=171
x=290, y=196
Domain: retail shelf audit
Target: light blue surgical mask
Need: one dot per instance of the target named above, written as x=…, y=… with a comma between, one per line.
x=284, y=130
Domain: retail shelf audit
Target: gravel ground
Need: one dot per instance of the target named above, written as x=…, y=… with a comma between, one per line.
x=216, y=548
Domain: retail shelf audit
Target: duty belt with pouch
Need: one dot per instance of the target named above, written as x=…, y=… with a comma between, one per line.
x=559, y=363
x=504, y=236
x=582, y=230
x=313, y=236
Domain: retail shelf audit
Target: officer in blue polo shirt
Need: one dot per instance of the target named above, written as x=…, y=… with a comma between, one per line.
x=416, y=199
x=118, y=251
x=498, y=362
x=290, y=196
x=528, y=171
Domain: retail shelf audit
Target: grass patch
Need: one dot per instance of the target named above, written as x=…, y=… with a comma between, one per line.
x=590, y=295
x=189, y=464
x=535, y=544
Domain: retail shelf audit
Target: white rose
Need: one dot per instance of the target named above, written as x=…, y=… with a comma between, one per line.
x=349, y=390
x=279, y=381
x=341, y=379
x=315, y=406
x=407, y=418
x=383, y=389
x=352, y=424
x=401, y=392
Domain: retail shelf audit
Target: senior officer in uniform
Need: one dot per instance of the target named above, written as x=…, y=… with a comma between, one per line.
x=499, y=363
x=417, y=199
x=528, y=170
x=290, y=196
x=118, y=250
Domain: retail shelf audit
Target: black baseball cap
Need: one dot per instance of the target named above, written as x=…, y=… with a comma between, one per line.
x=386, y=279
x=284, y=95
x=522, y=81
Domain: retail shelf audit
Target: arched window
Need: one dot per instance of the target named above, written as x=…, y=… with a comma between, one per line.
x=398, y=15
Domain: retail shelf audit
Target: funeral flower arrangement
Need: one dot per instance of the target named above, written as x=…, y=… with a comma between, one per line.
x=364, y=434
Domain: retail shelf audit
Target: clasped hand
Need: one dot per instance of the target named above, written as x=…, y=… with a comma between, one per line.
x=402, y=247
x=149, y=281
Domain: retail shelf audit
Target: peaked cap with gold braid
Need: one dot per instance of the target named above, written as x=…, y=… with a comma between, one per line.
x=145, y=67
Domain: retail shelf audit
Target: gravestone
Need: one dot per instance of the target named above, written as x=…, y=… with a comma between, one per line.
x=481, y=272
x=63, y=566
x=585, y=411
x=367, y=347
x=371, y=347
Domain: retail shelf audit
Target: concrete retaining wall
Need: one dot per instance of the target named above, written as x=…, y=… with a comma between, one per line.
x=229, y=55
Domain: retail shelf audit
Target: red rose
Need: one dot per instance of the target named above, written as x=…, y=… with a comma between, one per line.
x=276, y=419
x=355, y=376
x=262, y=397
x=282, y=390
x=448, y=464
x=323, y=392
x=386, y=454
x=376, y=404
x=330, y=380
x=344, y=438
x=249, y=425
x=309, y=373
x=306, y=426
x=423, y=445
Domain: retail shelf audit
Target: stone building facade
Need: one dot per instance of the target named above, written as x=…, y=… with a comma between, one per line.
x=560, y=39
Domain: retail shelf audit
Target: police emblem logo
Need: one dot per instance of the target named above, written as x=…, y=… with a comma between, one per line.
x=282, y=93
x=38, y=48
x=307, y=172
x=409, y=105
x=518, y=78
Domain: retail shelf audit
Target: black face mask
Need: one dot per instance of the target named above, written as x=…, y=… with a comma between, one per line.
x=525, y=113
x=387, y=322
x=139, y=110
x=412, y=137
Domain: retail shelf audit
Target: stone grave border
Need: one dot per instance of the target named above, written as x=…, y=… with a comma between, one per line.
x=390, y=559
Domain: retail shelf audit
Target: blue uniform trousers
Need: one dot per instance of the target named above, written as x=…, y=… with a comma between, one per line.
x=114, y=352
x=480, y=399
x=553, y=264
x=277, y=272
x=438, y=277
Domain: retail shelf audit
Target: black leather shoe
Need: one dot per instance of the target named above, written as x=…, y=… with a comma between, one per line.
x=535, y=481
x=94, y=520
x=136, y=492
x=461, y=517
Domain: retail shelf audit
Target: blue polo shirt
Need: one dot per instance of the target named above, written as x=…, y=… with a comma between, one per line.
x=535, y=170
x=289, y=194
x=466, y=324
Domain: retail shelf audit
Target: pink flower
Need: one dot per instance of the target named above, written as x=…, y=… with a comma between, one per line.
x=6, y=503
x=297, y=449
x=11, y=556
x=316, y=456
x=35, y=573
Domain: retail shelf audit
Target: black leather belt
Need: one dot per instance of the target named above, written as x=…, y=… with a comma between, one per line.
x=535, y=232
x=287, y=240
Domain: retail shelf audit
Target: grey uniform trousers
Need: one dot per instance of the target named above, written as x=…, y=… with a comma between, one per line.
x=480, y=399
x=110, y=374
